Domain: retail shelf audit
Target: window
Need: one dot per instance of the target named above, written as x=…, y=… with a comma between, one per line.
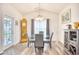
x=7, y=29
x=40, y=25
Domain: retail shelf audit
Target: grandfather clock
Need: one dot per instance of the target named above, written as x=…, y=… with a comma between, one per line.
x=23, y=30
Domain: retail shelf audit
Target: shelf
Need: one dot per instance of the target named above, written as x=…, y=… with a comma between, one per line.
x=71, y=38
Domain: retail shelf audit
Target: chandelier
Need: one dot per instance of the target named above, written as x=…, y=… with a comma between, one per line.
x=39, y=16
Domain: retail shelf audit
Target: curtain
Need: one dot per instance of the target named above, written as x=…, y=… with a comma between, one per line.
x=32, y=28
x=47, y=29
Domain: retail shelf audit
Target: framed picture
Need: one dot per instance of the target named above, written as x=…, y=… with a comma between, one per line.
x=66, y=16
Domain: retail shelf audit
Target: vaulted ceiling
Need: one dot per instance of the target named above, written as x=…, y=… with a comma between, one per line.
x=26, y=8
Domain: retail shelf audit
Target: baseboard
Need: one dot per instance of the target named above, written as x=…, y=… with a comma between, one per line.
x=1, y=52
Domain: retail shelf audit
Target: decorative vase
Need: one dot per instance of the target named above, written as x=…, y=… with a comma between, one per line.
x=76, y=25
x=69, y=26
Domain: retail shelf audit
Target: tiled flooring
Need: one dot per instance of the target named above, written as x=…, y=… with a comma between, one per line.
x=20, y=49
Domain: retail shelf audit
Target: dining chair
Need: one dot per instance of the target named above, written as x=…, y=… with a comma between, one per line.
x=39, y=44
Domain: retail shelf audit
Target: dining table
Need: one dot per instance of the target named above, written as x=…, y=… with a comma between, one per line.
x=48, y=41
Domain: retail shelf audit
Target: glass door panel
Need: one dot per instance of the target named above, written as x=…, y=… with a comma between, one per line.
x=8, y=33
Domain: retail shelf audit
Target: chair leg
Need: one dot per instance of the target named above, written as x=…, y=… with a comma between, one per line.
x=50, y=45
x=28, y=44
x=35, y=50
x=40, y=51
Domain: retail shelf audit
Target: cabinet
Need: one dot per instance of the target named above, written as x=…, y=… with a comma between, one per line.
x=71, y=41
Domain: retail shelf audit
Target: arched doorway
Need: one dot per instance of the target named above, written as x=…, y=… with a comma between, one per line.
x=23, y=30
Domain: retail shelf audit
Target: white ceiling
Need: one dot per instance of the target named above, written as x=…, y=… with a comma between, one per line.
x=26, y=8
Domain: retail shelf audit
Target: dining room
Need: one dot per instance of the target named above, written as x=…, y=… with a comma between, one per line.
x=39, y=28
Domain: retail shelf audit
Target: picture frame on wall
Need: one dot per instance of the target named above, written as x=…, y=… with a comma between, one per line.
x=66, y=16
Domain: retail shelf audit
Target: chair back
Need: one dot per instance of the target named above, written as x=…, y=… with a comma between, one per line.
x=39, y=40
x=51, y=36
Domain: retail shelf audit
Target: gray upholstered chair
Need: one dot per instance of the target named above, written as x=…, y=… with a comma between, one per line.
x=39, y=44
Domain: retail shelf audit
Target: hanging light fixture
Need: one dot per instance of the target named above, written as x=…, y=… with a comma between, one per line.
x=39, y=17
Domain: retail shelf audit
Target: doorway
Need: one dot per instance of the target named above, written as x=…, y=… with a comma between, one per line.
x=23, y=30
